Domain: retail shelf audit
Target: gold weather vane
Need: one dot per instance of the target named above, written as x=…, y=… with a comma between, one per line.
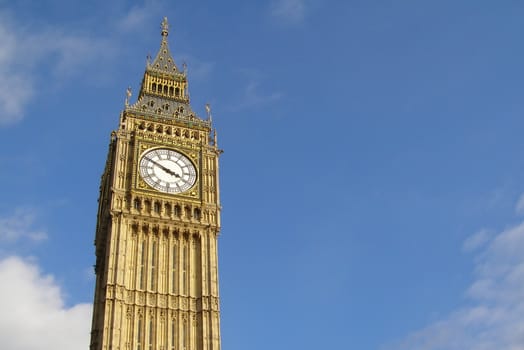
x=165, y=27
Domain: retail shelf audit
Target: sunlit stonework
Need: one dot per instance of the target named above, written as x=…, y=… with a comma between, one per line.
x=158, y=222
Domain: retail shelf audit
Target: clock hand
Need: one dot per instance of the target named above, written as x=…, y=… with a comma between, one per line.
x=167, y=170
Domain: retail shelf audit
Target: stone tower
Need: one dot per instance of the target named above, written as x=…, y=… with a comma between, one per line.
x=158, y=222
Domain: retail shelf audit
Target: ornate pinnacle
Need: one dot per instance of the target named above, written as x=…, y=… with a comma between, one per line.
x=165, y=27
x=208, y=111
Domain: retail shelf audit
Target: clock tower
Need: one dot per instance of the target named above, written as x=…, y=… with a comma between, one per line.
x=158, y=222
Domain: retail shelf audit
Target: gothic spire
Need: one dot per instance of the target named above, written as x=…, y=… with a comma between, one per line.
x=163, y=92
x=163, y=61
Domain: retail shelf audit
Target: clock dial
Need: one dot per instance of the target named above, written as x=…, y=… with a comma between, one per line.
x=167, y=171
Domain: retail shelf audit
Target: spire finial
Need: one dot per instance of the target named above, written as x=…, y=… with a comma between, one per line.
x=208, y=111
x=165, y=27
x=128, y=96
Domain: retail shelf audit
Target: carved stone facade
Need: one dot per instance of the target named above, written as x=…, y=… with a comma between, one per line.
x=156, y=252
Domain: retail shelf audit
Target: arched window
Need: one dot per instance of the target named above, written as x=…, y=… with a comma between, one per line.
x=173, y=268
x=153, y=87
x=171, y=91
x=185, y=257
x=139, y=335
x=143, y=257
x=197, y=214
x=136, y=204
x=153, y=265
x=168, y=209
x=173, y=334
x=177, y=92
x=177, y=210
x=151, y=335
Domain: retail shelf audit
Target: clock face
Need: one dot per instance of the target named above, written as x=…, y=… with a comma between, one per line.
x=167, y=171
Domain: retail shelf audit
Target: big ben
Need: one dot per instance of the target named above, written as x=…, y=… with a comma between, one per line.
x=158, y=222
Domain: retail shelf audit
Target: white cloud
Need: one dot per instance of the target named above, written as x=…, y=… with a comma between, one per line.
x=25, y=52
x=134, y=19
x=20, y=225
x=139, y=16
x=196, y=68
x=33, y=315
x=519, y=207
x=253, y=96
x=16, y=88
x=290, y=11
x=476, y=240
x=494, y=318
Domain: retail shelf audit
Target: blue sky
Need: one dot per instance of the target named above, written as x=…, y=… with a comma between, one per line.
x=372, y=180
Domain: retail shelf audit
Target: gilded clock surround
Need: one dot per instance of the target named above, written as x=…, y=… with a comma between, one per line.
x=156, y=253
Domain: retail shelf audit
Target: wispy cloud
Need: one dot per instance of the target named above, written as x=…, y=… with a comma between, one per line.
x=494, y=315
x=20, y=225
x=196, y=68
x=255, y=93
x=255, y=96
x=477, y=240
x=519, y=207
x=25, y=50
x=289, y=11
x=139, y=16
x=17, y=86
x=33, y=312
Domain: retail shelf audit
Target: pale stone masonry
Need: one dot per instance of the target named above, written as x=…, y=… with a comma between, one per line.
x=158, y=222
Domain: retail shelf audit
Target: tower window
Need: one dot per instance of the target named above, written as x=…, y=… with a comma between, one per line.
x=173, y=269
x=171, y=91
x=177, y=211
x=177, y=92
x=165, y=89
x=184, y=336
x=184, y=269
x=151, y=335
x=153, y=87
x=173, y=334
x=187, y=212
x=156, y=207
x=168, y=209
x=139, y=335
x=153, y=265
x=197, y=214
x=142, y=276
x=136, y=204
